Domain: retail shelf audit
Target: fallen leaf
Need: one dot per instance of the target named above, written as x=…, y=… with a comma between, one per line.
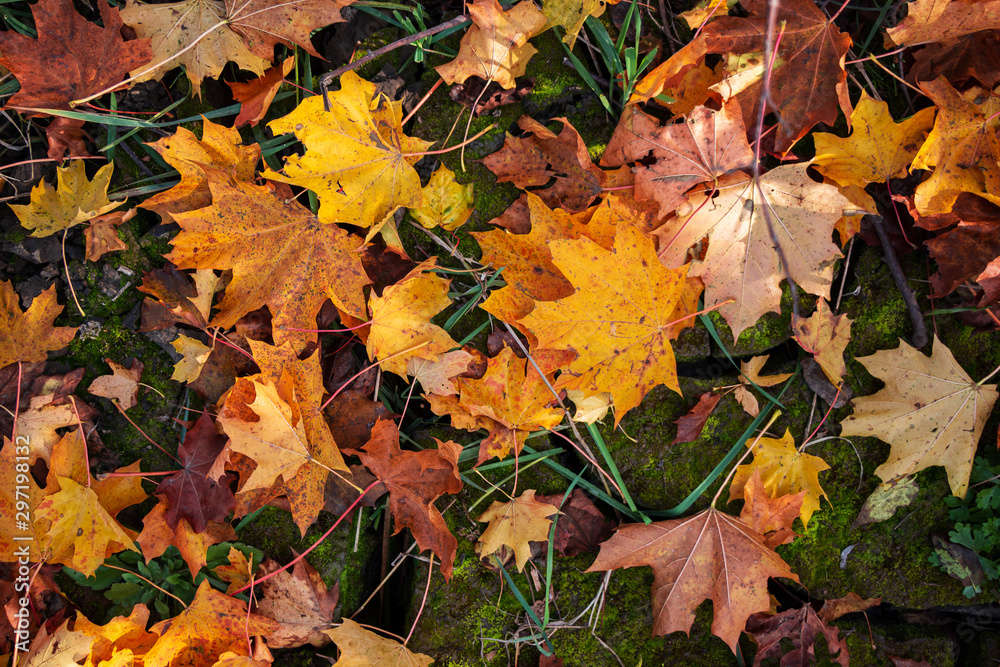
x=705, y=11
x=618, y=319
x=785, y=471
x=513, y=524
x=18, y=486
x=689, y=426
x=300, y=602
x=878, y=148
x=401, y=320
x=771, y=517
x=961, y=150
x=475, y=93
x=930, y=412
x=436, y=376
x=851, y=603
x=965, y=62
x=808, y=83
x=122, y=633
x=178, y=299
x=446, y=202
x=281, y=255
x=496, y=47
x=40, y=422
x=825, y=336
x=121, y=387
x=959, y=562
x=708, y=555
x=887, y=497
x=264, y=24
x=194, y=355
x=802, y=626
x=63, y=647
x=359, y=647
x=571, y=14
x=72, y=57
x=742, y=263
x=942, y=20
x=28, y=336
x=102, y=233
x=415, y=480
x=750, y=372
x=700, y=147
x=219, y=148
x=542, y=157
x=580, y=526
x=66, y=135
x=357, y=159
x=589, y=409
x=237, y=573
x=190, y=493
x=75, y=200
x=211, y=625
x=255, y=96
x=156, y=537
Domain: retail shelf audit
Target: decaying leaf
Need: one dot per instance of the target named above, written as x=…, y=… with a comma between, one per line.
x=446, y=202
x=689, y=426
x=802, y=626
x=102, y=233
x=944, y=20
x=121, y=387
x=513, y=524
x=300, y=602
x=750, y=372
x=708, y=555
x=785, y=471
x=496, y=47
x=580, y=526
x=886, y=499
x=930, y=411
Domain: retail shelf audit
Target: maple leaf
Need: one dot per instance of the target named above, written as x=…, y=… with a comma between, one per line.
x=264, y=24
x=360, y=647
x=526, y=259
x=280, y=254
x=825, y=336
x=193, y=495
x=689, y=426
x=808, y=82
x=255, y=96
x=878, y=148
x=176, y=299
x=930, y=412
x=436, y=376
x=942, y=20
x=357, y=159
x=962, y=148
x=102, y=233
x=785, y=471
x=513, y=524
x=964, y=61
x=72, y=57
x=18, y=487
x=62, y=647
x=705, y=11
x=496, y=47
x=617, y=321
x=401, y=326
x=571, y=15
x=742, y=263
x=708, y=555
x=39, y=423
x=157, y=536
x=66, y=134
x=543, y=157
x=750, y=371
x=415, y=480
x=802, y=626
x=120, y=634
x=192, y=158
x=702, y=146
x=589, y=409
x=446, y=203
x=75, y=200
x=121, y=387
x=580, y=526
x=193, y=353
x=299, y=602
x=27, y=336
x=771, y=517
x=212, y=624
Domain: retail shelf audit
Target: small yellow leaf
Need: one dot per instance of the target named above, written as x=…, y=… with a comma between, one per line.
x=75, y=200
x=195, y=355
x=447, y=203
x=825, y=336
x=515, y=523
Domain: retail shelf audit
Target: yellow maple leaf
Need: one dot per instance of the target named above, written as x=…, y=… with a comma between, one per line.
x=496, y=47
x=619, y=319
x=120, y=634
x=401, y=320
x=357, y=160
x=750, y=371
x=360, y=647
x=513, y=524
x=825, y=336
x=194, y=354
x=571, y=15
x=29, y=335
x=18, y=486
x=446, y=202
x=75, y=200
x=930, y=411
x=784, y=471
x=878, y=148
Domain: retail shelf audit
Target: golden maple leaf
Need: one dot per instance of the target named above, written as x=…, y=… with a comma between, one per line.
x=496, y=47
x=362, y=647
x=29, y=335
x=825, y=336
x=75, y=200
x=943, y=21
x=513, y=524
x=619, y=319
x=120, y=634
x=930, y=411
x=742, y=263
x=878, y=148
x=18, y=486
x=446, y=202
x=571, y=14
x=357, y=159
x=784, y=470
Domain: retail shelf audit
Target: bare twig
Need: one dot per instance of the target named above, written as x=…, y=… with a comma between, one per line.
x=916, y=317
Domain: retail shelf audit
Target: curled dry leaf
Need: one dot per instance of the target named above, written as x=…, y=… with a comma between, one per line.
x=825, y=336
x=513, y=524
x=589, y=409
x=300, y=602
x=750, y=372
x=802, y=626
x=102, y=233
x=689, y=426
x=255, y=96
x=121, y=387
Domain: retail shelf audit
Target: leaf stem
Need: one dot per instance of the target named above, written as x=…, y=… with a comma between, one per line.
x=451, y=148
x=69, y=281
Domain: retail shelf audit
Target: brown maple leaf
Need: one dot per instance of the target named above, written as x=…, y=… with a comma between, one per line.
x=415, y=480
x=689, y=426
x=708, y=555
x=300, y=602
x=802, y=626
x=157, y=536
x=72, y=57
x=255, y=96
x=580, y=526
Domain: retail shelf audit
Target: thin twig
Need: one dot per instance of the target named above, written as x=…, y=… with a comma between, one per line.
x=916, y=317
